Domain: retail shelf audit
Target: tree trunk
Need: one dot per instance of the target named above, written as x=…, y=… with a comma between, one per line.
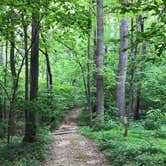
x=123, y=59
x=49, y=73
x=99, y=74
x=25, y=28
x=11, y=121
x=137, y=111
x=26, y=63
x=30, y=131
x=1, y=99
x=89, y=83
x=49, y=80
x=5, y=81
x=134, y=52
x=133, y=68
x=94, y=107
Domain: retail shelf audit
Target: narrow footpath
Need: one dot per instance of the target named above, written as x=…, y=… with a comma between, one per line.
x=69, y=148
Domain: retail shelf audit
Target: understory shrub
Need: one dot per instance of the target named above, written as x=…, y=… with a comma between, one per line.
x=83, y=119
x=110, y=124
x=124, y=153
x=18, y=153
x=160, y=134
x=153, y=120
x=150, y=124
x=3, y=128
x=151, y=160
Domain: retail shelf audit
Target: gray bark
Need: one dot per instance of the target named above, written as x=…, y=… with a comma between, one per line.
x=123, y=60
x=30, y=130
x=5, y=80
x=1, y=54
x=89, y=83
x=11, y=120
x=143, y=52
x=135, y=50
x=1, y=99
x=99, y=55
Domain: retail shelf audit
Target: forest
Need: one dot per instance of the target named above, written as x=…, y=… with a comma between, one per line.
x=82, y=82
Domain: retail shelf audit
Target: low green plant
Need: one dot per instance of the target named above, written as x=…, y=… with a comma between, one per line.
x=130, y=150
x=3, y=128
x=25, y=154
x=160, y=134
x=83, y=119
x=151, y=160
x=153, y=120
x=110, y=124
x=122, y=153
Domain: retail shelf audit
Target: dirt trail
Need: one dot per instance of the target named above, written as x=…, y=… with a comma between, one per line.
x=71, y=148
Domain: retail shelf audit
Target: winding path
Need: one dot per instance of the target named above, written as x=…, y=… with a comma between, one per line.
x=69, y=148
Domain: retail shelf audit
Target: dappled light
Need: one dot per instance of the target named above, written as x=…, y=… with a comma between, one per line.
x=82, y=83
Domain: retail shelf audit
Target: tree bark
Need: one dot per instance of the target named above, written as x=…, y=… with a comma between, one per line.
x=5, y=81
x=25, y=29
x=30, y=130
x=49, y=73
x=143, y=52
x=123, y=60
x=89, y=83
x=1, y=99
x=11, y=120
x=94, y=107
x=134, y=52
x=99, y=74
x=48, y=68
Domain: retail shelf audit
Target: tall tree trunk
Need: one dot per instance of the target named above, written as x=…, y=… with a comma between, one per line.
x=133, y=59
x=1, y=99
x=26, y=63
x=123, y=59
x=143, y=52
x=94, y=107
x=5, y=80
x=31, y=126
x=135, y=50
x=89, y=83
x=11, y=121
x=25, y=29
x=99, y=74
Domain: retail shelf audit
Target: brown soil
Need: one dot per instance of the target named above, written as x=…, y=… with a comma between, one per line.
x=69, y=148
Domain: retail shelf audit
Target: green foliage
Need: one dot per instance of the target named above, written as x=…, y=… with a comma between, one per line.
x=153, y=120
x=63, y=33
x=25, y=154
x=109, y=123
x=160, y=134
x=150, y=124
x=152, y=160
x=155, y=115
x=140, y=148
x=83, y=119
x=3, y=128
x=122, y=153
x=152, y=85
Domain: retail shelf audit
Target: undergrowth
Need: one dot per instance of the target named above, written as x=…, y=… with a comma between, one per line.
x=141, y=148
x=19, y=153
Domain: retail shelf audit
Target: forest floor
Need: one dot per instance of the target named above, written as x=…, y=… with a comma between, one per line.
x=69, y=148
